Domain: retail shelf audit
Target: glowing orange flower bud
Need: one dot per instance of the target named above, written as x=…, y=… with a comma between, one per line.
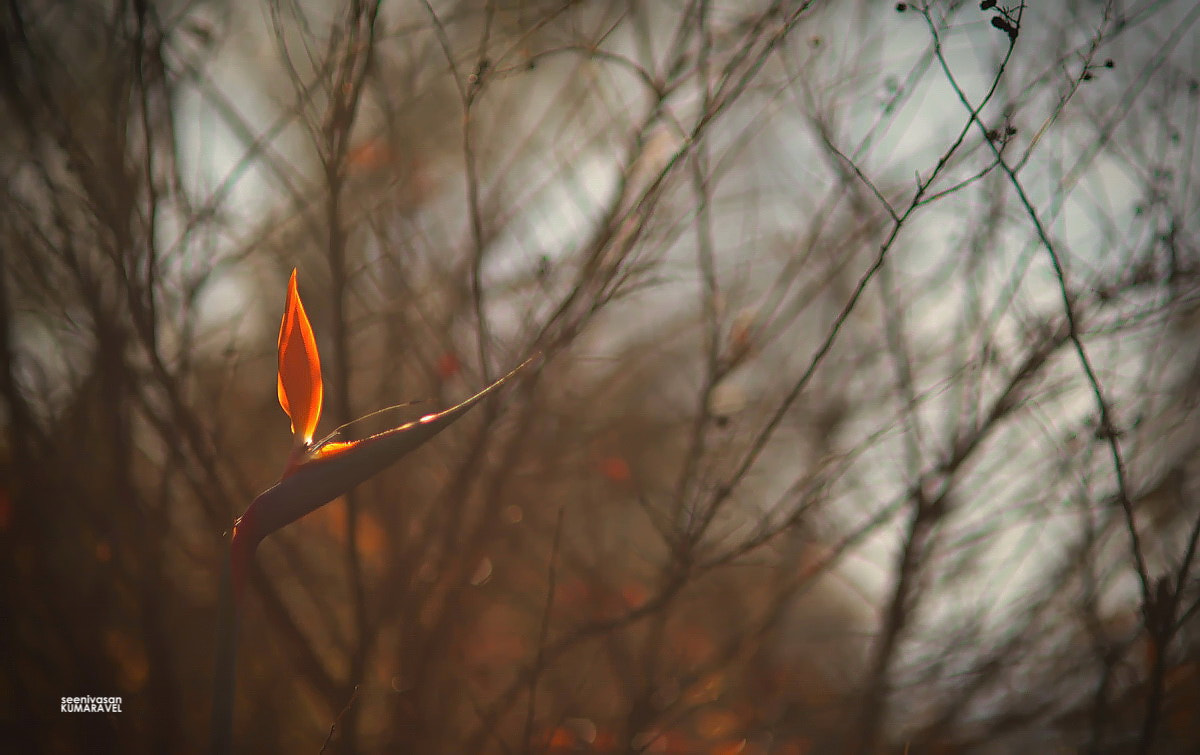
x=300, y=388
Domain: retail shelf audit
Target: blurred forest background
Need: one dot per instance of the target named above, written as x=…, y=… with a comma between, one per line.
x=867, y=419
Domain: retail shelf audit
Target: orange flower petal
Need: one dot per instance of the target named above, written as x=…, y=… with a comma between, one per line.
x=300, y=388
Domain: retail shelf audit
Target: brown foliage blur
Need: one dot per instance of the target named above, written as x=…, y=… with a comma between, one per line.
x=867, y=414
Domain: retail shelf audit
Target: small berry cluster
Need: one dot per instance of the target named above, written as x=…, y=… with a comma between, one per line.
x=1006, y=22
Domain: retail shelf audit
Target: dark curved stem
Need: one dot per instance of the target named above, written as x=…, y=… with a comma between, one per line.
x=225, y=665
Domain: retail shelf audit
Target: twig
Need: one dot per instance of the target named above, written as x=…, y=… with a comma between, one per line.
x=338, y=720
x=543, y=632
x=1107, y=425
